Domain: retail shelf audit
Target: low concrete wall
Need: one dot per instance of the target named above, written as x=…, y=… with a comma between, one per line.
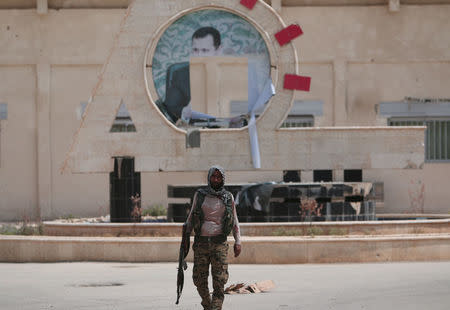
x=254, y=229
x=348, y=228
x=113, y=229
x=258, y=250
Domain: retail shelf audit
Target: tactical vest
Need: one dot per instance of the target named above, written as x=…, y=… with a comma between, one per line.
x=198, y=217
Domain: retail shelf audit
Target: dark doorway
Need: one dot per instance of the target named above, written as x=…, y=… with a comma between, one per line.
x=124, y=182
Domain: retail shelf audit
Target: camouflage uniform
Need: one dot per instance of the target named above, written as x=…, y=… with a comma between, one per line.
x=210, y=242
x=206, y=253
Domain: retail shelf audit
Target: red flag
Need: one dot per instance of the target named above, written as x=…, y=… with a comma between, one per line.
x=248, y=3
x=288, y=34
x=298, y=82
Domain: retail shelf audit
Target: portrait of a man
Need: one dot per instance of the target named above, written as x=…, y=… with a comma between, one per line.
x=205, y=42
x=205, y=33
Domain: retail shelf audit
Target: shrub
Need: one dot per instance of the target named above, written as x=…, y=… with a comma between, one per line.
x=155, y=210
x=313, y=231
x=283, y=232
x=337, y=231
x=25, y=229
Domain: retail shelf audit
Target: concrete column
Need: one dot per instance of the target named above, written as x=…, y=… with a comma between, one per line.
x=307, y=176
x=276, y=5
x=42, y=7
x=339, y=93
x=338, y=175
x=394, y=5
x=44, y=167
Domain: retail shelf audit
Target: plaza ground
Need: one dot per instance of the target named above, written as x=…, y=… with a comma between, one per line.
x=153, y=286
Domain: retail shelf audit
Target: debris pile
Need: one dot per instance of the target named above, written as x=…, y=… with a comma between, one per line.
x=242, y=288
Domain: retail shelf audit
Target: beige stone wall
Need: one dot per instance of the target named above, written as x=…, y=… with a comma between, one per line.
x=60, y=54
x=436, y=179
x=370, y=84
x=71, y=193
x=356, y=56
x=18, y=165
x=373, y=55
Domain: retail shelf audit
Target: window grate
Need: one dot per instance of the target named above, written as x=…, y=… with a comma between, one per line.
x=293, y=121
x=437, y=135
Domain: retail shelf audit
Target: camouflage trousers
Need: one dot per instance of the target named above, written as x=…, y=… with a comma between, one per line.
x=206, y=253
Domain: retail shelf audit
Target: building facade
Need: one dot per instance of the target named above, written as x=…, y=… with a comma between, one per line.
x=364, y=58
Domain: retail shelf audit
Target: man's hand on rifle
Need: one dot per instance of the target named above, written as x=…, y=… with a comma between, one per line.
x=237, y=249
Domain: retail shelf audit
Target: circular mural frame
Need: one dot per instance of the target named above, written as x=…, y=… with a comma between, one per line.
x=256, y=18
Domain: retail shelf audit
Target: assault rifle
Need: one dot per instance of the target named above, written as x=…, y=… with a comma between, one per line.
x=182, y=265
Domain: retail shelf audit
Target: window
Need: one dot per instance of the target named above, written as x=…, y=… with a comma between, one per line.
x=123, y=122
x=352, y=175
x=3, y=111
x=437, y=135
x=301, y=114
x=298, y=121
x=323, y=175
x=291, y=176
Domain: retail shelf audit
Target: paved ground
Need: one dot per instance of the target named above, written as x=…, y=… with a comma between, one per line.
x=152, y=286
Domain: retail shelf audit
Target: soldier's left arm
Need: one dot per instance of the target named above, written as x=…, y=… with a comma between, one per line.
x=236, y=233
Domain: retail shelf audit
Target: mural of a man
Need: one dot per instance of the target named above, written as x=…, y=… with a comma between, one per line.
x=206, y=41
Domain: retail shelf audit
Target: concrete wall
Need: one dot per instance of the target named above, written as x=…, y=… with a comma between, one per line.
x=18, y=165
x=49, y=64
x=356, y=56
x=73, y=193
x=371, y=55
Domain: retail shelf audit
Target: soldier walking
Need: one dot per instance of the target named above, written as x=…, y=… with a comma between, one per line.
x=213, y=216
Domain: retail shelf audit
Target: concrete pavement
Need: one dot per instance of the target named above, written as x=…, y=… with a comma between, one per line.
x=152, y=286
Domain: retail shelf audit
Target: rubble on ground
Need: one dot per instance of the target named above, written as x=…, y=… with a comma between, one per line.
x=242, y=288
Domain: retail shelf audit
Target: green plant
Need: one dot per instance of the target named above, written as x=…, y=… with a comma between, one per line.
x=24, y=229
x=283, y=232
x=155, y=210
x=312, y=231
x=67, y=217
x=8, y=230
x=337, y=231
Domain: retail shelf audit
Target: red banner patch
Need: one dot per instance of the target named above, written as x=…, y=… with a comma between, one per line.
x=249, y=3
x=297, y=82
x=288, y=34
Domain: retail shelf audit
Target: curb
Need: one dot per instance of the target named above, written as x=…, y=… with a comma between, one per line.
x=435, y=226
x=256, y=250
